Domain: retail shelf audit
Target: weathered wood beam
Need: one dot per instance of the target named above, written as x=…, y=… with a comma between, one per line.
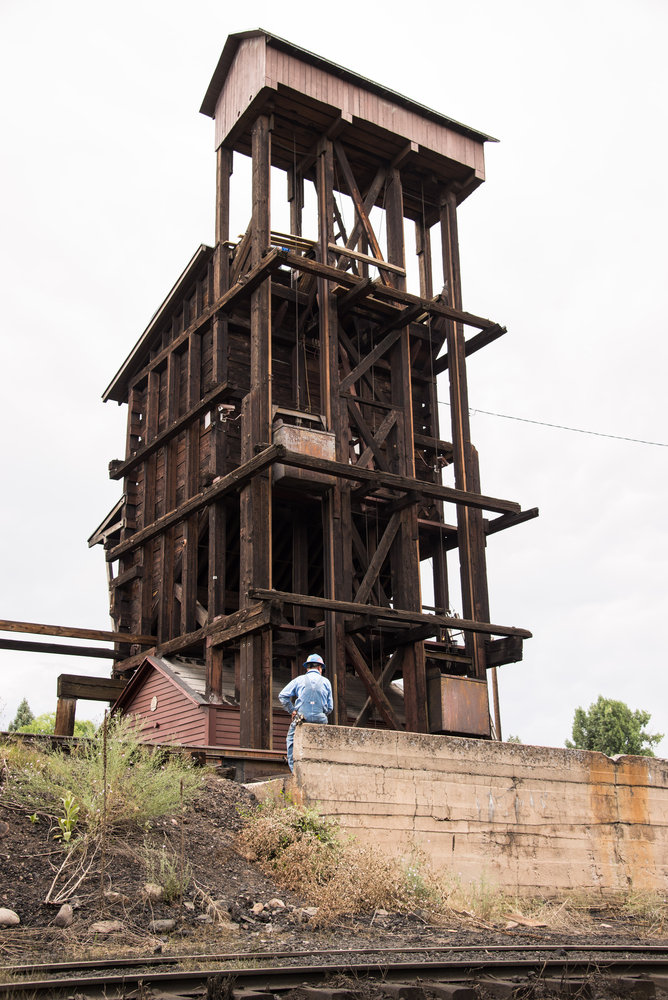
x=226, y=484
x=509, y=649
x=369, y=201
x=133, y=573
x=65, y=714
x=239, y=290
x=358, y=201
x=89, y=688
x=390, y=614
x=365, y=258
x=509, y=520
x=386, y=293
x=63, y=650
x=390, y=670
x=118, y=469
x=367, y=433
x=369, y=359
x=71, y=632
x=350, y=299
x=472, y=345
x=374, y=690
x=391, y=480
x=386, y=425
x=244, y=622
x=378, y=558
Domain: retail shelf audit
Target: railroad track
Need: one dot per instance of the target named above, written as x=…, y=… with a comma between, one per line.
x=463, y=973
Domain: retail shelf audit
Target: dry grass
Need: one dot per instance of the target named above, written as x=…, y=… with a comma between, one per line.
x=308, y=854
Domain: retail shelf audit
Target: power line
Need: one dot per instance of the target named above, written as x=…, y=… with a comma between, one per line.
x=561, y=427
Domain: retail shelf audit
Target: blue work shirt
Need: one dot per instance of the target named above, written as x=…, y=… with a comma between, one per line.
x=310, y=694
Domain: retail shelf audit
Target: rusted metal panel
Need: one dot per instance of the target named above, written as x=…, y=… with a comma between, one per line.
x=458, y=705
x=305, y=441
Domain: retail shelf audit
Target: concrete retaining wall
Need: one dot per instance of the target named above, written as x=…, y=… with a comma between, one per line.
x=528, y=819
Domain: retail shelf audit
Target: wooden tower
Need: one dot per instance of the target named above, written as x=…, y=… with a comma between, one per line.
x=282, y=480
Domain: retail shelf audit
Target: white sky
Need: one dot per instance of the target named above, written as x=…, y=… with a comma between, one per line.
x=107, y=179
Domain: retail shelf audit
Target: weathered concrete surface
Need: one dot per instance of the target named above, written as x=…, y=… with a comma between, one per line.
x=527, y=819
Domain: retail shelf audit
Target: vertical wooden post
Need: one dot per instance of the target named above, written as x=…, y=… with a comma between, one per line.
x=439, y=561
x=189, y=556
x=255, y=501
x=150, y=431
x=167, y=539
x=471, y=537
x=296, y=199
x=405, y=555
x=217, y=512
x=335, y=582
x=65, y=713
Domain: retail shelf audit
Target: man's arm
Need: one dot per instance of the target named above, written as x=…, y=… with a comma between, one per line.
x=329, y=702
x=287, y=694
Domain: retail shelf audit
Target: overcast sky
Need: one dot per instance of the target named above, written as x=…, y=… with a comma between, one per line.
x=107, y=178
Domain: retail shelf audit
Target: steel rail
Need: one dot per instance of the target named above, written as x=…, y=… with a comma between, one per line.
x=243, y=956
x=277, y=978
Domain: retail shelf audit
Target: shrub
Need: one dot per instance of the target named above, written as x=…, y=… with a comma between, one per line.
x=305, y=852
x=140, y=785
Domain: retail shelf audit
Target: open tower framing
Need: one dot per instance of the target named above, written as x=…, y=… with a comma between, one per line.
x=282, y=478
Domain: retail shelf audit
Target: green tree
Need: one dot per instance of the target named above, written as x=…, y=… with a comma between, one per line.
x=46, y=723
x=23, y=717
x=612, y=728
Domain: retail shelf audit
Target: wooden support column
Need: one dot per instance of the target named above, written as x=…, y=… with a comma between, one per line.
x=470, y=531
x=149, y=466
x=405, y=556
x=65, y=713
x=217, y=511
x=221, y=261
x=255, y=502
x=439, y=560
x=166, y=627
x=333, y=502
x=189, y=556
x=296, y=199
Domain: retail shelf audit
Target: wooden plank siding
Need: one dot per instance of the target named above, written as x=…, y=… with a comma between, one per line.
x=259, y=65
x=176, y=719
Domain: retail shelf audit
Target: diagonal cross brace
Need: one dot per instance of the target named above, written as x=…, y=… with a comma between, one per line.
x=374, y=690
x=378, y=558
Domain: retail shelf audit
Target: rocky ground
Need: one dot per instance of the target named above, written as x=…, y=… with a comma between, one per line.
x=230, y=905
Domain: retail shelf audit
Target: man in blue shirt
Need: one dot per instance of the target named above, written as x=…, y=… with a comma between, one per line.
x=308, y=698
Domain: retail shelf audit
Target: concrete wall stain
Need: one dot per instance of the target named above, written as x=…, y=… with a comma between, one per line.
x=532, y=819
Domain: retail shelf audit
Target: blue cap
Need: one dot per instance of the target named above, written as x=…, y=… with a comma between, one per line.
x=314, y=660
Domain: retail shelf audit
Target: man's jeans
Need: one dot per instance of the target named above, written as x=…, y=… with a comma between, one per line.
x=319, y=719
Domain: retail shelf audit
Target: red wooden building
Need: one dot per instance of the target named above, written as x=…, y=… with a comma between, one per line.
x=282, y=482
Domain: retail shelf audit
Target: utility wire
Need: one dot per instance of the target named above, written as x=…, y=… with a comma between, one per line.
x=561, y=427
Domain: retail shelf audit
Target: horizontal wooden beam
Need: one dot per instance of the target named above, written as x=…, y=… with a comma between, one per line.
x=244, y=622
x=70, y=632
x=387, y=293
x=509, y=520
x=391, y=480
x=118, y=469
x=223, y=629
x=226, y=484
x=240, y=289
x=388, y=614
x=21, y=645
x=367, y=259
x=472, y=345
x=509, y=649
x=89, y=688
